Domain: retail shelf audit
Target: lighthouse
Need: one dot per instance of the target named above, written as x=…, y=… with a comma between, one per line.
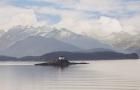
x=61, y=58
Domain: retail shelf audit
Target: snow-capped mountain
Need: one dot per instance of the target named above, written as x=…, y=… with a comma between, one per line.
x=119, y=40
x=125, y=41
x=13, y=35
x=37, y=45
x=78, y=40
x=19, y=35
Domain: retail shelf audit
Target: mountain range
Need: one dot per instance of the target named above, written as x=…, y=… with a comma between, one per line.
x=37, y=45
x=22, y=41
x=102, y=55
x=125, y=41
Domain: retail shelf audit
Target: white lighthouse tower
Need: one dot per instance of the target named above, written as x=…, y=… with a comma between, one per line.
x=61, y=58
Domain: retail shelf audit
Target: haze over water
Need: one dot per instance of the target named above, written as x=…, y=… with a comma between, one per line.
x=98, y=75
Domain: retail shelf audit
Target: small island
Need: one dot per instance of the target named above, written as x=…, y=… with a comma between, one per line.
x=61, y=61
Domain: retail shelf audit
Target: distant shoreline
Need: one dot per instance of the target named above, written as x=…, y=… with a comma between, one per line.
x=75, y=56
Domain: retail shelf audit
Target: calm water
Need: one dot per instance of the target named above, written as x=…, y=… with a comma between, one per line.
x=98, y=75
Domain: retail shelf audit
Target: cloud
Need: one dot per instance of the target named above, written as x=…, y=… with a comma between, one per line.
x=69, y=18
x=99, y=5
x=91, y=17
x=63, y=1
x=11, y=16
x=50, y=19
x=131, y=24
x=83, y=22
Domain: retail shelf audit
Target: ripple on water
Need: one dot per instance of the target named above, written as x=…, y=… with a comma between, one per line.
x=71, y=78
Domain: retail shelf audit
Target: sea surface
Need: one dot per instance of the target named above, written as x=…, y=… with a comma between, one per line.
x=98, y=75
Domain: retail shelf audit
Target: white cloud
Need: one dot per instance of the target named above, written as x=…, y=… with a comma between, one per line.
x=11, y=16
x=81, y=22
x=109, y=25
x=76, y=18
x=133, y=5
x=70, y=19
x=102, y=6
x=98, y=5
x=63, y=1
x=60, y=1
x=131, y=24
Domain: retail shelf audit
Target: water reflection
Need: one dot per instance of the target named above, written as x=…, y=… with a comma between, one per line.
x=56, y=67
x=95, y=76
